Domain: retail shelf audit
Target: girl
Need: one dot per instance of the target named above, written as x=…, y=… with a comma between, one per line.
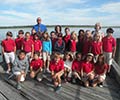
x=8, y=50
x=72, y=43
x=66, y=38
x=96, y=46
x=86, y=43
x=79, y=46
x=76, y=68
x=68, y=58
x=20, y=68
x=60, y=44
x=57, y=70
x=37, y=43
x=28, y=46
x=58, y=29
x=100, y=70
x=32, y=33
x=36, y=67
x=47, y=50
x=87, y=71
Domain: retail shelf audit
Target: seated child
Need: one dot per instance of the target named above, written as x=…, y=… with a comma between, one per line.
x=68, y=58
x=76, y=68
x=57, y=70
x=36, y=67
x=87, y=70
x=20, y=68
x=100, y=71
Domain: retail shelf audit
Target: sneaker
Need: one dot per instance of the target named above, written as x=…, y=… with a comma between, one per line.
x=58, y=88
x=39, y=79
x=100, y=85
x=19, y=86
x=73, y=81
x=8, y=71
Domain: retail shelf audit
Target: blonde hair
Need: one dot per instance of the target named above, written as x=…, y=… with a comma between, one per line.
x=46, y=38
x=73, y=33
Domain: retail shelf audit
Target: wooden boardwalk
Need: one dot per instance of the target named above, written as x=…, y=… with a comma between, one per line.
x=33, y=90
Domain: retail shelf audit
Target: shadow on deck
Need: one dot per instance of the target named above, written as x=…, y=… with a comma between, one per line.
x=33, y=90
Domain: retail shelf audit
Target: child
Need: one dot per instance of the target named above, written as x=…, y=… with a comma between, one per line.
x=76, y=68
x=37, y=43
x=87, y=71
x=8, y=50
x=36, y=67
x=59, y=45
x=47, y=51
x=79, y=45
x=86, y=43
x=96, y=46
x=53, y=39
x=68, y=58
x=58, y=29
x=72, y=43
x=66, y=38
x=109, y=47
x=100, y=70
x=57, y=70
x=19, y=40
x=20, y=68
x=32, y=34
x=28, y=46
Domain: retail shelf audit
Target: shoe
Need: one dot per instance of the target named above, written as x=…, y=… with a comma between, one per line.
x=18, y=86
x=58, y=88
x=8, y=71
x=100, y=85
x=39, y=79
x=73, y=81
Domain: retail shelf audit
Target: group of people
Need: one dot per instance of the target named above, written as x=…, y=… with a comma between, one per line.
x=84, y=58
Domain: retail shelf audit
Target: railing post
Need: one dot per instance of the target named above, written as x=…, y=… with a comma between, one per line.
x=117, y=55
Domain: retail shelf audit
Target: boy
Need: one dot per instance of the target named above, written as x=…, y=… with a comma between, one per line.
x=36, y=66
x=28, y=46
x=57, y=70
x=20, y=68
x=109, y=47
x=8, y=50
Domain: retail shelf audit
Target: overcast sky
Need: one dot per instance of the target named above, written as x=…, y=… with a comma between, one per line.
x=65, y=12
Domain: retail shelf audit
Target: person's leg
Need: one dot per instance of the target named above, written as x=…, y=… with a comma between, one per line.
x=109, y=61
x=44, y=60
x=32, y=74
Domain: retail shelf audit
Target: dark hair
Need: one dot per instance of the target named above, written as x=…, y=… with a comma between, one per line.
x=67, y=28
x=9, y=34
x=27, y=33
x=35, y=35
x=59, y=27
x=103, y=59
x=20, y=32
x=22, y=51
x=81, y=30
x=109, y=30
x=70, y=54
x=52, y=32
x=37, y=53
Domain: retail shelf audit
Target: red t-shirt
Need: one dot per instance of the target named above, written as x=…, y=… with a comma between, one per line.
x=76, y=66
x=27, y=45
x=56, y=67
x=73, y=45
x=19, y=42
x=86, y=46
x=96, y=47
x=37, y=45
x=100, y=69
x=8, y=45
x=87, y=67
x=66, y=38
x=36, y=64
x=108, y=44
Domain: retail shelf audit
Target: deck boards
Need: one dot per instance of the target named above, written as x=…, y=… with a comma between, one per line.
x=33, y=90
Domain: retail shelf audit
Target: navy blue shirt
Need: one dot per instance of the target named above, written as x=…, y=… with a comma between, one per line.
x=40, y=28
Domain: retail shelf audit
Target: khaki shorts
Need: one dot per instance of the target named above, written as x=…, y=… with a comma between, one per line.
x=46, y=56
x=9, y=57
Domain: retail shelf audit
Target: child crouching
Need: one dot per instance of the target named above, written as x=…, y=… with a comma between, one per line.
x=20, y=68
x=36, y=67
x=57, y=70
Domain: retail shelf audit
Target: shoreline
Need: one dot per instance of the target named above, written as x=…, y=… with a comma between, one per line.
x=30, y=26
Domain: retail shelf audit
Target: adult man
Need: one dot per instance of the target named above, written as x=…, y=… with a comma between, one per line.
x=39, y=28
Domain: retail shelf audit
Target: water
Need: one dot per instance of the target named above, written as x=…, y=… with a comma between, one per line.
x=76, y=29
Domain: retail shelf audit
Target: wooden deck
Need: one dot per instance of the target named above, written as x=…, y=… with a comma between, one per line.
x=33, y=90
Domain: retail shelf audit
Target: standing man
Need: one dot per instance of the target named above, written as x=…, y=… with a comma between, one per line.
x=39, y=28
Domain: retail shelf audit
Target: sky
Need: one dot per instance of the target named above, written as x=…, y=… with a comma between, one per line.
x=62, y=12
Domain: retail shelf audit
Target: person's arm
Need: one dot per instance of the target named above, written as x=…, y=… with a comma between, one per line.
x=50, y=45
x=32, y=51
x=27, y=66
x=114, y=51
